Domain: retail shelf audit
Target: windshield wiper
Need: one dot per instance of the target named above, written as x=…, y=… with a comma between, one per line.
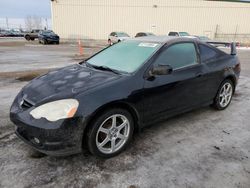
x=105, y=68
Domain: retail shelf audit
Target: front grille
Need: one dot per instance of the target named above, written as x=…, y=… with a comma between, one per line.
x=25, y=104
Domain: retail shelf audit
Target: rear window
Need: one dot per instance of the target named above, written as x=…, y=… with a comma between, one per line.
x=207, y=53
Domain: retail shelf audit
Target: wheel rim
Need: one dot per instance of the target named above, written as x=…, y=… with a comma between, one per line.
x=226, y=93
x=113, y=134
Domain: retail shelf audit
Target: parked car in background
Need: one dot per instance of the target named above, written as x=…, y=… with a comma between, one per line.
x=10, y=33
x=48, y=36
x=144, y=34
x=180, y=34
x=32, y=35
x=100, y=102
x=203, y=38
x=115, y=37
x=3, y=33
x=15, y=34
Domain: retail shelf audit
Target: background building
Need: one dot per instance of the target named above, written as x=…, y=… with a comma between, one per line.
x=95, y=19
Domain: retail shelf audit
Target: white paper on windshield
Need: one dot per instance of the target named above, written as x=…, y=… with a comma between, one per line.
x=149, y=45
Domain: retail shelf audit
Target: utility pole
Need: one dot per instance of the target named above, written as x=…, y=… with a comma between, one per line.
x=7, y=22
x=46, y=20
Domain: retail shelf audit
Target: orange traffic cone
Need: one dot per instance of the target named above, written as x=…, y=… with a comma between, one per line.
x=80, y=47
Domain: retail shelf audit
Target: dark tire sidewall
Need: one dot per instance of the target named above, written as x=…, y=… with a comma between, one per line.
x=27, y=37
x=91, y=136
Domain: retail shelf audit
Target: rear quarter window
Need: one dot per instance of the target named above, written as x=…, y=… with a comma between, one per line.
x=207, y=53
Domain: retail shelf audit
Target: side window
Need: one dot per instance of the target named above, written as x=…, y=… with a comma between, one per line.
x=112, y=34
x=173, y=34
x=178, y=55
x=207, y=53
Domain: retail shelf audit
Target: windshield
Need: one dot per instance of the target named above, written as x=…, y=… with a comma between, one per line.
x=125, y=56
x=120, y=34
x=183, y=34
x=48, y=32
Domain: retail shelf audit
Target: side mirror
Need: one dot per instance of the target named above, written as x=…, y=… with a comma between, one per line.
x=116, y=35
x=161, y=70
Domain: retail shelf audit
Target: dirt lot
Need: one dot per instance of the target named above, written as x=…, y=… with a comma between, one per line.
x=202, y=148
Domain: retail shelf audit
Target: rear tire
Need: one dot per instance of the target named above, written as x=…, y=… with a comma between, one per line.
x=27, y=37
x=224, y=95
x=110, y=133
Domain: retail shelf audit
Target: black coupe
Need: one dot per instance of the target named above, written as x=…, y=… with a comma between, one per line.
x=101, y=102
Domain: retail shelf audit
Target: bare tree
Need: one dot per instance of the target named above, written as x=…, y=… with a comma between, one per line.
x=37, y=21
x=33, y=22
x=29, y=23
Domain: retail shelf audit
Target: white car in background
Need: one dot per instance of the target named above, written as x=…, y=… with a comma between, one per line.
x=181, y=34
x=115, y=37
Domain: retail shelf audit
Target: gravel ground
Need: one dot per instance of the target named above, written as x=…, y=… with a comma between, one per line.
x=202, y=148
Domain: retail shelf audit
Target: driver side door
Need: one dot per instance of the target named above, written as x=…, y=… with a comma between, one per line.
x=167, y=95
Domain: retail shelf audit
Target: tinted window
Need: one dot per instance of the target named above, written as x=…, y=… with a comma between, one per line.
x=139, y=34
x=207, y=53
x=173, y=34
x=178, y=55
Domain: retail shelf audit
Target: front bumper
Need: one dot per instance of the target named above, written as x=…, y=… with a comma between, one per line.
x=60, y=138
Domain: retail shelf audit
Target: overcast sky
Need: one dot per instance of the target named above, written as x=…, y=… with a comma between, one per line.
x=23, y=8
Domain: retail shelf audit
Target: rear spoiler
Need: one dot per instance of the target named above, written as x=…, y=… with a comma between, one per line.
x=231, y=44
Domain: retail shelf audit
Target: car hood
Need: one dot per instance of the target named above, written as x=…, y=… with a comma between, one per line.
x=65, y=83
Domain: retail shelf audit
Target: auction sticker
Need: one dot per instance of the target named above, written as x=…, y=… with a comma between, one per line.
x=149, y=45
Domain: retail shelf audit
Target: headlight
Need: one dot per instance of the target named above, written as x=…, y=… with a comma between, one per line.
x=56, y=110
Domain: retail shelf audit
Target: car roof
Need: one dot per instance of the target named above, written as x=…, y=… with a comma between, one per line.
x=162, y=39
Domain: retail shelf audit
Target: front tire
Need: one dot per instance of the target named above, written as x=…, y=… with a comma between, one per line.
x=110, y=42
x=110, y=133
x=224, y=95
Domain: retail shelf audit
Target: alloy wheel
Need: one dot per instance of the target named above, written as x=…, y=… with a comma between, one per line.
x=113, y=134
x=225, y=95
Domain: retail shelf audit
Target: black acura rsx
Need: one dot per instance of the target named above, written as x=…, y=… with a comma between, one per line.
x=100, y=102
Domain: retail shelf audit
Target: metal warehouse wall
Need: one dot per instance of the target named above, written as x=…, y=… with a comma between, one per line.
x=95, y=19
